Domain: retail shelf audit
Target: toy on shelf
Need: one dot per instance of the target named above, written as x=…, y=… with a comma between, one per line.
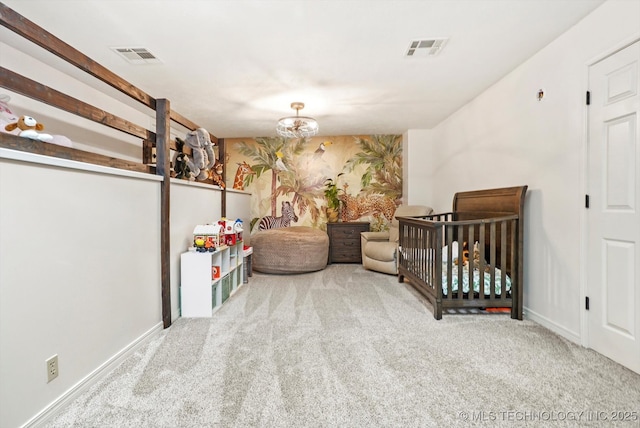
x=237, y=227
x=180, y=162
x=29, y=128
x=216, y=174
x=10, y=123
x=206, y=237
x=202, y=156
x=228, y=231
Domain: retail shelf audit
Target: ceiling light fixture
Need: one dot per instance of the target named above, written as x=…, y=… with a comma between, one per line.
x=297, y=126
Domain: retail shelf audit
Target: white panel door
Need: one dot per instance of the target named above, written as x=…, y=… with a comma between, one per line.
x=613, y=253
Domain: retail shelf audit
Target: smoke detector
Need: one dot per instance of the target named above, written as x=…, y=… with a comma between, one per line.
x=137, y=56
x=426, y=47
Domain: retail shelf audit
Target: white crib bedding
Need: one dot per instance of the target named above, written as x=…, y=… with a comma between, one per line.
x=486, y=277
x=420, y=254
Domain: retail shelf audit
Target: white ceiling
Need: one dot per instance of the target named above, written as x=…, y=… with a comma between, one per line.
x=234, y=67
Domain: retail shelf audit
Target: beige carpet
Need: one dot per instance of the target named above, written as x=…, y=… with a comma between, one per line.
x=345, y=347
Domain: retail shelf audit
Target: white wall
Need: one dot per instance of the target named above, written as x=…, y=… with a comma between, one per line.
x=417, y=171
x=239, y=206
x=506, y=137
x=79, y=275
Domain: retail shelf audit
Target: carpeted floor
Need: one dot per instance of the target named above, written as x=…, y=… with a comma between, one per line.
x=345, y=347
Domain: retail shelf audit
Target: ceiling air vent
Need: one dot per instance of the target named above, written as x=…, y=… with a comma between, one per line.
x=137, y=55
x=426, y=47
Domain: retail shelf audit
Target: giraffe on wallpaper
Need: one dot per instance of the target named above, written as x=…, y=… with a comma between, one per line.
x=243, y=170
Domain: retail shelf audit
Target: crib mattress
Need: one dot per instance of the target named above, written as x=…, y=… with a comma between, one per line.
x=486, y=277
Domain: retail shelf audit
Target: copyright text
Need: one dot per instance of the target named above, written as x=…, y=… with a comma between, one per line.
x=549, y=416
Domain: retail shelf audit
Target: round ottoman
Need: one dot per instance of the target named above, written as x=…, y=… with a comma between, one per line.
x=294, y=249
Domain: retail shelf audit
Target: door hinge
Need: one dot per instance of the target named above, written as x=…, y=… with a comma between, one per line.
x=586, y=302
x=586, y=201
x=588, y=98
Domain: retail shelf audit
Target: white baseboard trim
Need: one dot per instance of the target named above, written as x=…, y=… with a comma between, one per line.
x=91, y=379
x=553, y=326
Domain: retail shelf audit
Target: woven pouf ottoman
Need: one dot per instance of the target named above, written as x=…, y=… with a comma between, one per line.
x=295, y=249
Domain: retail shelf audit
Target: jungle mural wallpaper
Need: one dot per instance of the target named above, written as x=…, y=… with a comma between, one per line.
x=287, y=178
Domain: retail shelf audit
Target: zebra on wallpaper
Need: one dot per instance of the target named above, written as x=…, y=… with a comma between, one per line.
x=271, y=222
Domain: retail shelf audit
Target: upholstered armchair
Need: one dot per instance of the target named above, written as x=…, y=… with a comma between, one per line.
x=379, y=249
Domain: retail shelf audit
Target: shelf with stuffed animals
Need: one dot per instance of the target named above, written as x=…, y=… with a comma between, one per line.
x=212, y=269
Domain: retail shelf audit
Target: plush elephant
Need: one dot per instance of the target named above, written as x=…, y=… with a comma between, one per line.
x=202, y=157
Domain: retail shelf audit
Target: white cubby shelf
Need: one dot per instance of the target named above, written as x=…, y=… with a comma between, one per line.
x=202, y=292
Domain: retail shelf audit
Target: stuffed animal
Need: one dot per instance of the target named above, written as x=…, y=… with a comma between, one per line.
x=202, y=153
x=181, y=167
x=180, y=162
x=216, y=174
x=476, y=256
x=6, y=115
x=29, y=128
x=465, y=254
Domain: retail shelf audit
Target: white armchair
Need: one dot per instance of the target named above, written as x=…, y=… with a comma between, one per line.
x=379, y=249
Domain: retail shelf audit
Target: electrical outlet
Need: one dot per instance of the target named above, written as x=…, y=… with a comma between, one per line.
x=52, y=368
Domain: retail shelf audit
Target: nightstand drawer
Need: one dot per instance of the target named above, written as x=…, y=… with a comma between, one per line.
x=344, y=241
x=347, y=232
x=347, y=252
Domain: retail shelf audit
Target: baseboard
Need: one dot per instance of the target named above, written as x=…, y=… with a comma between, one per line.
x=91, y=379
x=553, y=326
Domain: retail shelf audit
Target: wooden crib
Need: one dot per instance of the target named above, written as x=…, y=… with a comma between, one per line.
x=437, y=256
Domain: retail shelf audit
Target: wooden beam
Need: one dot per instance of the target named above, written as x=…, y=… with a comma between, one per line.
x=163, y=132
x=14, y=142
x=32, y=89
x=180, y=119
x=41, y=37
x=148, y=152
x=221, y=157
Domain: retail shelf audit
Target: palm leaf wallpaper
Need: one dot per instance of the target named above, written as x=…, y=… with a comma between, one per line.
x=286, y=178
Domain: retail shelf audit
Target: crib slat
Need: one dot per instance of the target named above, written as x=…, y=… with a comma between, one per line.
x=419, y=246
x=471, y=240
x=515, y=286
x=414, y=241
x=433, y=255
x=460, y=235
x=482, y=240
x=449, y=262
x=436, y=280
x=503, y=259
x=492, y=261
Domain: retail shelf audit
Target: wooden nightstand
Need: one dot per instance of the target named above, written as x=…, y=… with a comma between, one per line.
x=344, y=241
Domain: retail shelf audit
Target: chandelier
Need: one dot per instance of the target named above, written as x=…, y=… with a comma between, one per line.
x=297, y=126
